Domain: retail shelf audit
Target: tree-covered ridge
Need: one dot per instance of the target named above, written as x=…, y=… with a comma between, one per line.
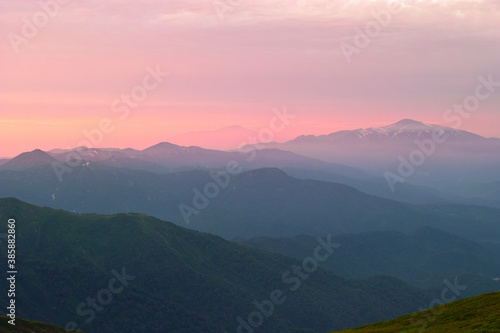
x=183, y=280
x=423, y=258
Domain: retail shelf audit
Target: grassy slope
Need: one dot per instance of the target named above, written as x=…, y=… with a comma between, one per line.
x=476, y=314
x=27, y=326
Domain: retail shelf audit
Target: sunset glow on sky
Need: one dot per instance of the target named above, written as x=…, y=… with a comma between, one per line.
x=235, y=68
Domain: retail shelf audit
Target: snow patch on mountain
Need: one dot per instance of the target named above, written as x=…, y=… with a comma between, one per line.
x=406, y=130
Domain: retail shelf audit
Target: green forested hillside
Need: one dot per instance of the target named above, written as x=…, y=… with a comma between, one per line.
x=180, y=280
x=423, y=258
x=476, y=314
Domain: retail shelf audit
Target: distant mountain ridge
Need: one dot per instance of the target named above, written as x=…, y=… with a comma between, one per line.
x=434, y=156
x=166, y=157
x=403, y=130
x=464, y=169
x=226, y=138
x=28, y=160
x=259, y=202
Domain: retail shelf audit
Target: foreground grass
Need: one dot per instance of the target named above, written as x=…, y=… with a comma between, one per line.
x=28, y=326
x=475, y=314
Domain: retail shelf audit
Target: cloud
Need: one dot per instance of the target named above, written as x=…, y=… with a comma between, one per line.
x=261, y=53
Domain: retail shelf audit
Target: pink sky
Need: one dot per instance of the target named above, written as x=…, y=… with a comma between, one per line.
x=234, y=70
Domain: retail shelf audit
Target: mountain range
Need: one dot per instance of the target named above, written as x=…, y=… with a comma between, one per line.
x=148, y=275
x=465, y=164
x=407, y=130
x=261, y=202
x=167, y=158
x=423, y=258
x=248, y=225
x=436, y=156
x=464, y=169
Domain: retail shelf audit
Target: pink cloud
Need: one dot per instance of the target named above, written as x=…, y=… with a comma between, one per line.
x=264, y=54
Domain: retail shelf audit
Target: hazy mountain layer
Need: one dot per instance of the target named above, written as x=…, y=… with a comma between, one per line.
x=436, y=156
x=424, y=258
x=264, y=202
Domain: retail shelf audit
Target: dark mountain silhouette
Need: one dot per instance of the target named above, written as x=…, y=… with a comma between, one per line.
x=28, y=160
